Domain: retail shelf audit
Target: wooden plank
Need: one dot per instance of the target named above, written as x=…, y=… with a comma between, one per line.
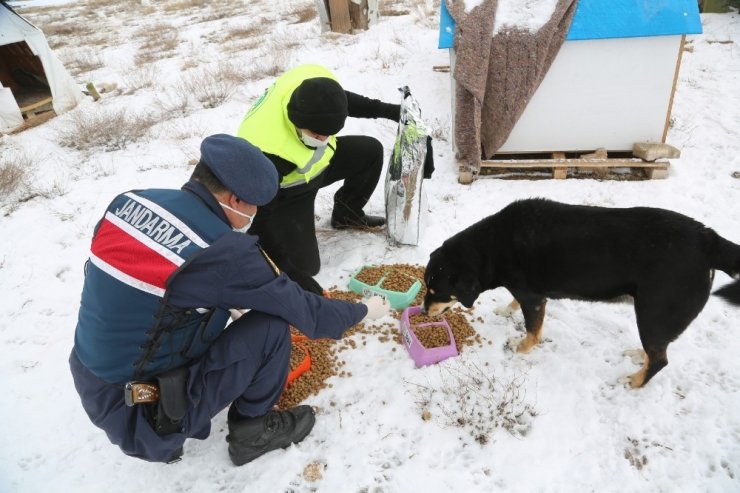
x=37, y=104
x=673, y=88
x=35, y=119
x=558, y=167
x=559, y=172
x=572, y=163
x=339, y=15
x=657, y=173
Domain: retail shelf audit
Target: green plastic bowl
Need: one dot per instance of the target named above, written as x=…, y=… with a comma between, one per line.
x=397, y=299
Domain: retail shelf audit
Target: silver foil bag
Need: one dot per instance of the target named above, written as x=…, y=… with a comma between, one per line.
x=403, y=181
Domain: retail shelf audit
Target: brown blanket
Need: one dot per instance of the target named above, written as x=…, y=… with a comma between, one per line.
x=497, y=75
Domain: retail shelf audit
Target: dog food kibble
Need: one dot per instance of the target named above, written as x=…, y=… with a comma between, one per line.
x=327, y=355
x=421, y=318
x=323, y=366
x=335, y=294
x=431, y=336
x=397, y=281
x=370, y=275
x=461, y=329
x=296, y=357
x=416, y=272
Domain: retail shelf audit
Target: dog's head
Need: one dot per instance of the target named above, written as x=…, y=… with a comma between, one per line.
x=450, y=277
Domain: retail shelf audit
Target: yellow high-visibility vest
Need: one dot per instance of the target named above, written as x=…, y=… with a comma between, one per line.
x=266, y=125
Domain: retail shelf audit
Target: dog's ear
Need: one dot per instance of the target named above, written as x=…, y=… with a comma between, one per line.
x=467, y=288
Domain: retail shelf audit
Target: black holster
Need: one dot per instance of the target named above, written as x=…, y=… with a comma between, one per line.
x=167, y=413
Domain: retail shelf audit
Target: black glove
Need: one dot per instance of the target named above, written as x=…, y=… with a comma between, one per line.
x=306, y=282
x=429, y=160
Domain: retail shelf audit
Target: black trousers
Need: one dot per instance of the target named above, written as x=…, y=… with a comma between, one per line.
x=286, y=226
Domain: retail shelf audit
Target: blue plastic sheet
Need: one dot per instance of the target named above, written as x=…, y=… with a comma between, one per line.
x=601, y=19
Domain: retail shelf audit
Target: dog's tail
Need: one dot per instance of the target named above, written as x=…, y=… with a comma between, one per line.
x=725, y=256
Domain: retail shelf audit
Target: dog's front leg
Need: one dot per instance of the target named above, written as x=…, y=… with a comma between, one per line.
x=534, y=316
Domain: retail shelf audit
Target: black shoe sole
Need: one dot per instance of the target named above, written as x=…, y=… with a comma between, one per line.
x=358, y=227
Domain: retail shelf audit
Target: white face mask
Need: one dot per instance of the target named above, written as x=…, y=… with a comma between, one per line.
x=313, y=142
x=243, y=229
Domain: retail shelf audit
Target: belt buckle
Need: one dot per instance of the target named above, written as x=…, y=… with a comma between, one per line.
x=139, y=392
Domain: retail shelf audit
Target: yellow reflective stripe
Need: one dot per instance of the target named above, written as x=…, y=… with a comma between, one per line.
x=266, y=125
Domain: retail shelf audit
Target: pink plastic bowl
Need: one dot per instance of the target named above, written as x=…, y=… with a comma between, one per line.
x=421, y=355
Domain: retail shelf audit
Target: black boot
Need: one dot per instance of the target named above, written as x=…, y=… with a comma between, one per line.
x=362, y=221
x=250, y=438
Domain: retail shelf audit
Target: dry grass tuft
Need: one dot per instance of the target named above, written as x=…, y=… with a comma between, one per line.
x=109, y=130
x=476, y=400
x=17, y=171
x=79, y=62
x=67, y=28
x=425, y=12
x=393, y=9
x=217, y=13
x=157, y=42
x=254, y=31
x=178, y=6
x=99, y=4
x=173, y=104
x=139, y=78
x=305, y=14
x=213, y=86
x=269, y=66
x=13, y=173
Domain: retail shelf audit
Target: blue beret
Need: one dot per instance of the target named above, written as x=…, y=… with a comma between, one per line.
x=241, y=167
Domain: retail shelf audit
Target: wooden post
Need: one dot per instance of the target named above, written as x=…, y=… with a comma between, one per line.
x=358, y=13
x=339, y=14
x=558, y=172
x=344, y=16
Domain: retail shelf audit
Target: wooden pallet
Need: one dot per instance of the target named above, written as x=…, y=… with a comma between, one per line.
x=35, y=114
x=561, y=165
x=43, y=105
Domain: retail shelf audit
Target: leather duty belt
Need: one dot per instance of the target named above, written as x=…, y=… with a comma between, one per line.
x=140, y=393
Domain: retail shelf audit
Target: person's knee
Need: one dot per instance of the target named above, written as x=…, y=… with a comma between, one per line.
x=374, y=150
x=268, y=331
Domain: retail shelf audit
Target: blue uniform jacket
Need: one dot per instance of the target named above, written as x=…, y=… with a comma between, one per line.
x=232, y=272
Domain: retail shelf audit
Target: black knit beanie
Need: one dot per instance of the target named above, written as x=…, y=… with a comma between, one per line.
x=318, y=104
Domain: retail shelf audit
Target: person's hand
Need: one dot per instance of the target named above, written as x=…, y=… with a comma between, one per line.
x=377, y=307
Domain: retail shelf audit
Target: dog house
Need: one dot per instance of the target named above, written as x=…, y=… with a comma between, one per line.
x=32, y=78
x=612, y=82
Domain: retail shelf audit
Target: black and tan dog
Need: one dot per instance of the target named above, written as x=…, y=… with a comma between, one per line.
x=540, y=249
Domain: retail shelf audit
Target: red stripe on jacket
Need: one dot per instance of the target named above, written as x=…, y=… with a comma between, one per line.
x=124, y=252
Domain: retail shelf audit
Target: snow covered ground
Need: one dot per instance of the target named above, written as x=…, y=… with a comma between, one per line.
x=586, y=432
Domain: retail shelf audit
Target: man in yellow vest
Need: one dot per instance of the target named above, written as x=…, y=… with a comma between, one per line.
x=294, y=123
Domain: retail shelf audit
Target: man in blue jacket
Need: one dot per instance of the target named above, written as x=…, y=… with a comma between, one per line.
x=154, y=360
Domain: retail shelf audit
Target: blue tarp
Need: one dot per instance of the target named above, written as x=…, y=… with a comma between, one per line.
x=599, y=19
x=446, y=27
